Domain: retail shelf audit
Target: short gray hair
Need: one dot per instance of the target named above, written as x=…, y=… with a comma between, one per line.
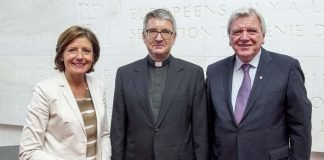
x=242, y=12
x=160, y=14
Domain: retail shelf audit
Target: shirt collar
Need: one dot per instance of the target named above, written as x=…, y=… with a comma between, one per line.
x=158, y=64
x=254, y=62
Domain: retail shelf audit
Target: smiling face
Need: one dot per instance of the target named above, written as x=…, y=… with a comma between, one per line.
x=159, y=47
x=78, y=57
x=246, y=37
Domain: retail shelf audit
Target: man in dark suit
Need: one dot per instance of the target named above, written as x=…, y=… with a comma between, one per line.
x=257, y=98
x=159, y=108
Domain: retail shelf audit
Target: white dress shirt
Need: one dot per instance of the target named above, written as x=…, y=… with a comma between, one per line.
x=238, y=75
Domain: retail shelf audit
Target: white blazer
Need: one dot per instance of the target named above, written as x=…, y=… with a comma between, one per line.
x=54, y=127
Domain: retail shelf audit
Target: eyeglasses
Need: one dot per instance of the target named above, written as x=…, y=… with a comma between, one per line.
x=152, y=33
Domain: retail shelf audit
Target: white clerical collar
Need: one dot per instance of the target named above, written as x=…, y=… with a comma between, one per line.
x=158, y=64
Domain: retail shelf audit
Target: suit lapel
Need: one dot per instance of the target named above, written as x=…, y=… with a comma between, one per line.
x=261, y=76
x=141, y=85
x=227, y=79
x=173, y=81
x=67, y=92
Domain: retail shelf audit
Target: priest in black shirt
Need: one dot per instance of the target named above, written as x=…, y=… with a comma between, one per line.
x=159, y=108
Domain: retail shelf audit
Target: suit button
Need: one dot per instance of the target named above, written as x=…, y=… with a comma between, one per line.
x=157, y=130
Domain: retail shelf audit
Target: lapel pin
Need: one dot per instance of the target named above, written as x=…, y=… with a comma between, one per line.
x=261, y=77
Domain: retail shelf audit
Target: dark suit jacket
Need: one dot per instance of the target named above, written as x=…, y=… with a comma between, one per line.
x=180, y=132
x=277, y=120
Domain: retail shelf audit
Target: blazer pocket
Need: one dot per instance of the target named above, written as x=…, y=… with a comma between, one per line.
x=187, y=156
x=279, y=153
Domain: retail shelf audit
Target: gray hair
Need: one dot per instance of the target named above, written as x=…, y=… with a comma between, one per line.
x=160, y=14
x=242, y=12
